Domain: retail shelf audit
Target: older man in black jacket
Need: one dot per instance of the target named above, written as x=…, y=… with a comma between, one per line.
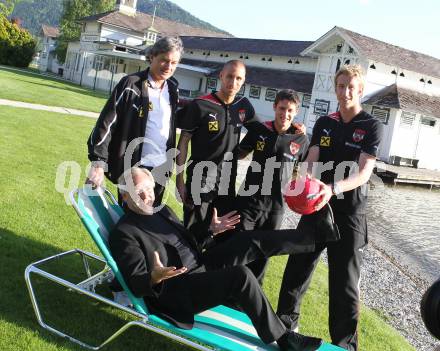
x=161, y=262
x=137, y=124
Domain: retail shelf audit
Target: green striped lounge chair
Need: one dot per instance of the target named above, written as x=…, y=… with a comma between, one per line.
x=220, y=328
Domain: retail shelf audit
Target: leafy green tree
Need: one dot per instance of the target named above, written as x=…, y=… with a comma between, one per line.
x=70, y=29
x=17, y=45
x=6, y=7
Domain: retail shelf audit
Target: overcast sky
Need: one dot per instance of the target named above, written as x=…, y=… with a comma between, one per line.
x=412, y=24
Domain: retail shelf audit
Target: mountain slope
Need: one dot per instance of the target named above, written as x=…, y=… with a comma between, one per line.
x=169, y=10
x=34, y=13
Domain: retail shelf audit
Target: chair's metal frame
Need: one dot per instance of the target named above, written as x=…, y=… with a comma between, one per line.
x=87, y=287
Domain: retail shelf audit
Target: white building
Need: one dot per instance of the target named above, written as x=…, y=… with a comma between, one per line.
x=47, y=60
x=402, y=86
x=402, y=90
x=112, y=43
x=271, y=65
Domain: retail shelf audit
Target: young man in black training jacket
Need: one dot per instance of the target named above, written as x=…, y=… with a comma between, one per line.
x=349, y=139
x=275, y=153
x=213, y=124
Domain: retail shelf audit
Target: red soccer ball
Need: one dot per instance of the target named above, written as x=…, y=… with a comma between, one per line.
x=299, y=195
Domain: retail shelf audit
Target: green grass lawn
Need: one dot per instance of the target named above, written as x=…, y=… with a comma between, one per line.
x=35, y=222
x=32, y=87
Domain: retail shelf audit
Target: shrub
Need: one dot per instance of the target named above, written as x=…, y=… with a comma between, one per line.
x=17, y=45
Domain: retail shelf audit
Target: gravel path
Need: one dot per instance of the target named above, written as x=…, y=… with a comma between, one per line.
x=388, y=286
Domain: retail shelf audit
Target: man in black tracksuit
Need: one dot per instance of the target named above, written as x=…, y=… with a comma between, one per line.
x=349, y=139
x=142, y=110
x=213, y=124
x=275, y=153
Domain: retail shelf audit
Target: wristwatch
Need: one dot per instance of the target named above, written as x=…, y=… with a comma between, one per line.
x=336, y=190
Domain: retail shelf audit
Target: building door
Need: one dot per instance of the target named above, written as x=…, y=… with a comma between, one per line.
x=428, y=143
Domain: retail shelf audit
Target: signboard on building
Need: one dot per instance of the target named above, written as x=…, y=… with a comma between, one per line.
x=87, y=37
x=321, y=107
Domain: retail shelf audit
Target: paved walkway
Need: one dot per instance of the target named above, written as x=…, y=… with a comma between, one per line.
x=68, y=111
x=35, y=73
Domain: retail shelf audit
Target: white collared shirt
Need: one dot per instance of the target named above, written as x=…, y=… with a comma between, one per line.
x=158, y=125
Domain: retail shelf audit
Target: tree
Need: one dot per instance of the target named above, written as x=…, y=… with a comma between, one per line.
x=70, y=29
x=6, y=7
x=17, y=45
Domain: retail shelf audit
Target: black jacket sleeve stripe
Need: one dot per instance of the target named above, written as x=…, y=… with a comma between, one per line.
x=101, y=135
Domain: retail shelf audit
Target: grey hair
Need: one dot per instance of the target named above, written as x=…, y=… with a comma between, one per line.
x=165, y=45
x=122, y=180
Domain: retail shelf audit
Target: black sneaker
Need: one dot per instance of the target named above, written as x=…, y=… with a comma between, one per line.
x=299, y=342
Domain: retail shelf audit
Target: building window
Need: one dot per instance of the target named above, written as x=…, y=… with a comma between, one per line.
x=151, y=36
x=211, y=83
x=427, y=121
x=271, y=94
x=254, y=92
x=408, y=118
x=338, y=65
x=106, y=63
x=306, y=100
x=97, y=62
x=382, y=114
x=241, y=91
x=185, y=92
x=321, y=107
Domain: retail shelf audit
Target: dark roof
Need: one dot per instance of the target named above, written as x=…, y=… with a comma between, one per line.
x=141, y=21
x=250, y=46
x=215, y=66
x=266, y=77
x=51, y=32
x=392, y=55
x=394, y=96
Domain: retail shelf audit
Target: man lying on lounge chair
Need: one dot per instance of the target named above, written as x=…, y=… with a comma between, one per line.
x=162, y=263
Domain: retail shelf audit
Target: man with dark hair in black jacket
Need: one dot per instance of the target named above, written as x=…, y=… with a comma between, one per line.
x=275, y=153
x=137, y=124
